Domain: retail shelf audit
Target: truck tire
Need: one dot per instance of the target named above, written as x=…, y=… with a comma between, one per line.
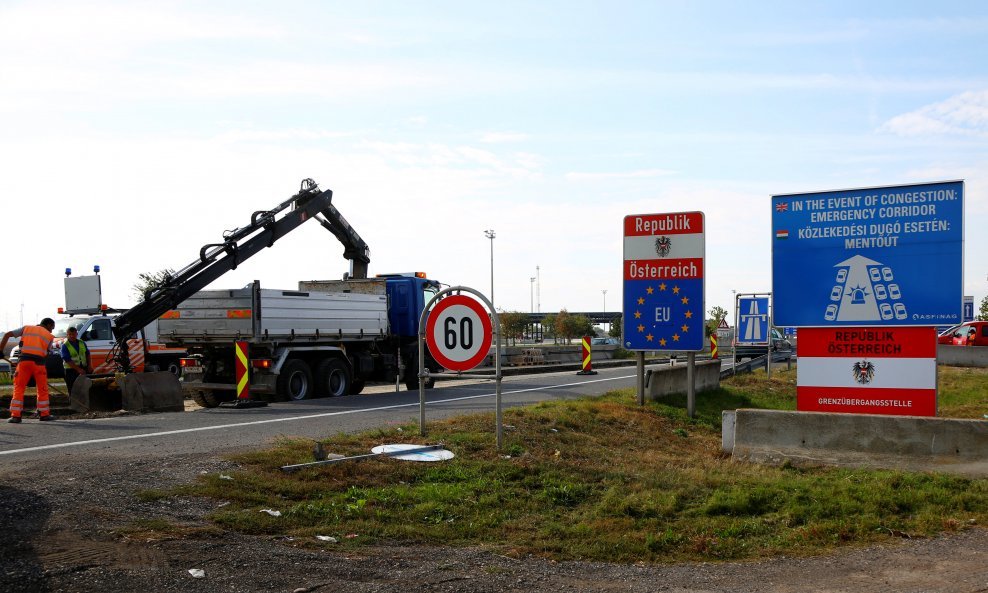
x=295, y=380
x=209, y=399
x=333, y=378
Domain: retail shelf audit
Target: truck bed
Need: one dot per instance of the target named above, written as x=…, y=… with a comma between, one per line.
x=276, y=316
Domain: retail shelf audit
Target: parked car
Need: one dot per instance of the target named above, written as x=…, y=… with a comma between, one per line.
x=604, y=341
x=972, y=333
x=779, y=344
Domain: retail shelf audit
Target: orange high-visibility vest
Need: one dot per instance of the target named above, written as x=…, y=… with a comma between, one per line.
x=35, y=341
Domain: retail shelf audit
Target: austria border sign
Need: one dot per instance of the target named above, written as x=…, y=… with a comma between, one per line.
x=879, y=256
x=663, y=282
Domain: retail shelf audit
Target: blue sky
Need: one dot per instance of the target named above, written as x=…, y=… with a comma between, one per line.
x=132, y=133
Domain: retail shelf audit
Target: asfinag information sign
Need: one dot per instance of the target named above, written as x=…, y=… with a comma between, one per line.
x=869, y=257
x=663, y=282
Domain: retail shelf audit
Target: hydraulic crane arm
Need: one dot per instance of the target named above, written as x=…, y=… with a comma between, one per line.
x=238, y=245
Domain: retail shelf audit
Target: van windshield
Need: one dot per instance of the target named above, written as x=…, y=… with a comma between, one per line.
x=63, y=325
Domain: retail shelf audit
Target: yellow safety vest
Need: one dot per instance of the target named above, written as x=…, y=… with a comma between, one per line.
x=77, y=356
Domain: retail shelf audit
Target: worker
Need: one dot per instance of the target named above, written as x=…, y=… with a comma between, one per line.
x=35, y=343
x=75, y=357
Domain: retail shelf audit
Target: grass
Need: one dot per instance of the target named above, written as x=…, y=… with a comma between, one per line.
x=598, y=479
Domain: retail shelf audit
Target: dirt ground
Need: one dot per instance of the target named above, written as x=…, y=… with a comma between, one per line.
x=61, y=522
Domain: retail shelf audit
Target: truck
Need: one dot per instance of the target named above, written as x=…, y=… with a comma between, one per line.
x=326, y=338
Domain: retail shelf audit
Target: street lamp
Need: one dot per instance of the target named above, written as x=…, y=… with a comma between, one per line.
x=604, y=292
x=531, y=293
x=489, y=233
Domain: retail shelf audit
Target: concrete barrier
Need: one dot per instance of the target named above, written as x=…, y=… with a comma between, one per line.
x=858, y=440
x=962, y=356
x=670, y=380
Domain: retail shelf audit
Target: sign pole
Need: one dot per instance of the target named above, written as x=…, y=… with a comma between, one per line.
x=691, y=384
x=640, y=377
x=499, y=431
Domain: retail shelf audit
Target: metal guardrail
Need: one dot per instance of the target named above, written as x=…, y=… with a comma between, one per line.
x=757, y=363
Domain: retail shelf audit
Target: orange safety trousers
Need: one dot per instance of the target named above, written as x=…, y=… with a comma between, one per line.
x=25, y=370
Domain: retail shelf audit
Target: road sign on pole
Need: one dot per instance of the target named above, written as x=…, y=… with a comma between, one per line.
x=753, y=321
x=664, y=282
x=869, y=257
x=459, y=332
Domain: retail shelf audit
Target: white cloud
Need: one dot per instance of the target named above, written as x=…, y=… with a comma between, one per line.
x=641, y=174
x=964, y=114
x=497, y=137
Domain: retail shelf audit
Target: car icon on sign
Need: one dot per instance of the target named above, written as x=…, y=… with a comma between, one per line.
x=831, y=313
x=900, y=311
x=894, y=292
x=842, y=275
x=836, y=292
x=886, y=311
x=887, y=274
x=876, y=276
x=880, y=292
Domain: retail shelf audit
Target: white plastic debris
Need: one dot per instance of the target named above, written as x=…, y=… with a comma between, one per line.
x=271, y=512
x=327, y=538
x=197, y=573
x=225, y=477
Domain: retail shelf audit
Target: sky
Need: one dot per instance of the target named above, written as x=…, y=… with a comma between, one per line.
x=132, y=133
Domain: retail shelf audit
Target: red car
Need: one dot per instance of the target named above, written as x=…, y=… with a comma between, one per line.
x=972, y=333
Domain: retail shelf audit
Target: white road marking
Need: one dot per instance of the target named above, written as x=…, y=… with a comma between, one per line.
x=296, y=418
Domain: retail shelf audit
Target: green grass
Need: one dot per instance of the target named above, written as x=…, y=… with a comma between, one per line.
x=598, y=479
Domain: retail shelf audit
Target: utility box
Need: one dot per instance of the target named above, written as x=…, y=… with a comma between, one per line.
x=83, y=294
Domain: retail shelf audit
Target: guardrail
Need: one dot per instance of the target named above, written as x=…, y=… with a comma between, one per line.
x=756, y=363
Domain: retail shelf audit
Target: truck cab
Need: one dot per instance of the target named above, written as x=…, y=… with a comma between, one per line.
x=407, y=297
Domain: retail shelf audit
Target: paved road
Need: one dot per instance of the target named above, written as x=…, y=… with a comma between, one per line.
x=222, y=429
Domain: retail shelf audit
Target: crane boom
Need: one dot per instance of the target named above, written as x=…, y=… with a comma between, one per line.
x=216, y=259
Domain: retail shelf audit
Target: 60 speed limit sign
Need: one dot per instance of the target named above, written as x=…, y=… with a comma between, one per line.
x=458, y=332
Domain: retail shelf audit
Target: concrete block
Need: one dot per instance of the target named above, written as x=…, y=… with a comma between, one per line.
x=671, y=380
x=152, y=392
x=862, y=440
x=962, y=356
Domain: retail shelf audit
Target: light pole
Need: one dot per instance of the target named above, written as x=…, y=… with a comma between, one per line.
x=538, y=290
x=531, y=298
x=489, y=233
x=604, y=292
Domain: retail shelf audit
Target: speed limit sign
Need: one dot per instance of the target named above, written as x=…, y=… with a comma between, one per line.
x=458, y=332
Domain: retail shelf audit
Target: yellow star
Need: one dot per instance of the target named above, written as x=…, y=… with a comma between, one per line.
x=638, y=314
x=641, y=328
x=675, y=337
x=686, y=328
x=641, y=300
x=675, y=290
x=662, y=342
x=689, y=315
x=649, y=290
x=662, y=286
x=649, y=337
x=686, y=300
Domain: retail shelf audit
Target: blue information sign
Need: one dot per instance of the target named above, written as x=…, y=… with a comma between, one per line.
x=753, y=321
x=864, y=257
x=968, y=309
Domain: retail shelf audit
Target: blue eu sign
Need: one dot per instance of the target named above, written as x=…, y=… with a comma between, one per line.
x=873, y=256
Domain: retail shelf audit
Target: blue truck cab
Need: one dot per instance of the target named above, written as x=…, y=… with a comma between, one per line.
x=407, y=296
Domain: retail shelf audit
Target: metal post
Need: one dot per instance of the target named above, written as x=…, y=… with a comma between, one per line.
x=691, y=384
x=489, y=233
x=422, y=378
x=497, y=384
x=640, y=380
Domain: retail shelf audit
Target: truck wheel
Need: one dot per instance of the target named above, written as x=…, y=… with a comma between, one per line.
x=208, y=399
x=295, y=380
x=356, y=386
x=333, y=378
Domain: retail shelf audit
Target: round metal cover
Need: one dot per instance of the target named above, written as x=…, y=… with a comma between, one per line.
x=430, y=455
